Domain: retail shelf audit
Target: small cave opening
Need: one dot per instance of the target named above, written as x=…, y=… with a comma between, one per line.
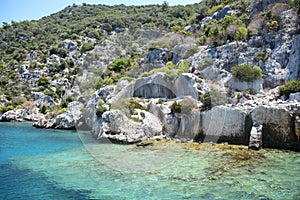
x=153, y=91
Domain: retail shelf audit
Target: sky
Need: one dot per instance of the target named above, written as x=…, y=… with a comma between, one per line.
x=19, y=10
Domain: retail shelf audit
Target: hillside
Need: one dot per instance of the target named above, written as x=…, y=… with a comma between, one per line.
x=92, y=64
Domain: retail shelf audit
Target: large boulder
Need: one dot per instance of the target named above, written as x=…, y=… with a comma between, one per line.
x=189, y=125
x=8, y=116
x=20, y=115
x=119, y=128
x=63, y=121
x=66, y=120
x=256, y=86
x=27, y=114
x=225, y=124
x=278, y=126
x=295, y=97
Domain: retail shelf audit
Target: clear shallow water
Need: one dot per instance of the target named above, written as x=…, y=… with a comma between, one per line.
x=52, y=164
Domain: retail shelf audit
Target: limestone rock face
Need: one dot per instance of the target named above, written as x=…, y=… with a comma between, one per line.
x=190, y=125
x=62, y=121
x=119, y=128
x=277, y=127
x=157, y=87
x=8, y=116
x=65, y=120
x=224, y=124
x=297, y=128
x=42, y=100
x=256, y=86
x=227, y=10
x=295, y=97
x=20, y=115
x=160, y=56
x=41, y=122
x=27, y=114
x=186, y=85
x=293, y=67
x=261, y=5
x=153, y=87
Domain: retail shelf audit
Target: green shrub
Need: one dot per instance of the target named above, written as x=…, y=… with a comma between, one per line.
x=241, y=33
x=184, y=66
x=187, y=105
x=184, y=106
x=87, y=47
x=120, y=64
x=212, y=98
x=295, y=3
x=128, y=106
x=4, y=109
x=246, y=72
x=289, y=87
x=69, y=99
x=170, y=76
x=61, y=111
x=58, y=51
x=64, y=104
x=43, y=81
x=176, y=108
x=261, y=55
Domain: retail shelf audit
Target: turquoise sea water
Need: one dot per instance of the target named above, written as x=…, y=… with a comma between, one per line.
x=53, y=164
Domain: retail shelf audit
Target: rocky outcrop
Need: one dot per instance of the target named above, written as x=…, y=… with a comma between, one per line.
x=67, y=120
x=119, y=128
x=277, y=126
x=227, y=10
x=157, y=86
x=8, y=116
x=293, y=66
x=42, y=100
x=262, y=5
x=159, y=56
x=225, y=124
x=20, y=115
x=190, y=125
x=255, y=86
x=295, y=97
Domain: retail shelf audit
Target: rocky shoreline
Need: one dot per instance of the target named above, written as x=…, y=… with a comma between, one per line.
x=260, y=120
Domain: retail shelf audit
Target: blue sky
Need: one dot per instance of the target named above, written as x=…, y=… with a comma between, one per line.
x=19, y=10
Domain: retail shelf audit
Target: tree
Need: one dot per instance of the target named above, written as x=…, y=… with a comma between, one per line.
x=165, y=6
